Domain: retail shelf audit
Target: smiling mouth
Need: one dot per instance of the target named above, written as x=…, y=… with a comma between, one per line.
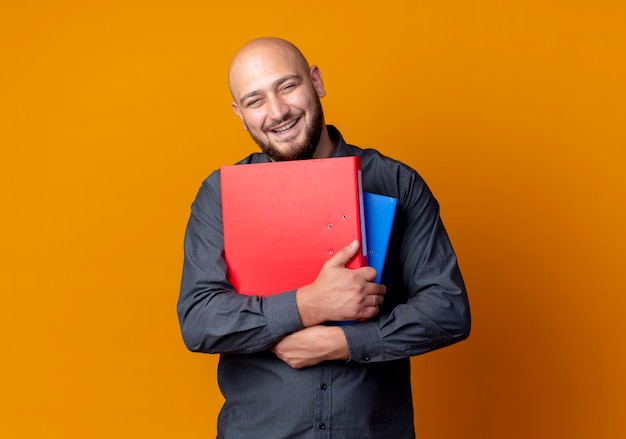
x=285, y=128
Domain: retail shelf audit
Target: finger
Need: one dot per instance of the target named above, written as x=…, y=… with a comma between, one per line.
x=377, y=289
x=377, y=300
x=343, y=256
x=368, y=273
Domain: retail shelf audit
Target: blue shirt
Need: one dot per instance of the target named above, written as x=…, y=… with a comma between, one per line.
x=369, y=396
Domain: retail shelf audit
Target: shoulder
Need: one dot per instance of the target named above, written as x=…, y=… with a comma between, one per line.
x=388, y=176
x=382, y=174
x=372, y=158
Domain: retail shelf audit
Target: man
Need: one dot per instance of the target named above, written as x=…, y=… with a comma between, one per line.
x=283, y=373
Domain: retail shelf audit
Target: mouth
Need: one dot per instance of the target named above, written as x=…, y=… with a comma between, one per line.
x=282, y=129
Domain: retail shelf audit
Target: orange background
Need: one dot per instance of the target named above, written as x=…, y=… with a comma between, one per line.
x=112, y=113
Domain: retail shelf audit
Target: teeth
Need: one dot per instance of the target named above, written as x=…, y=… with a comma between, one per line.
x=285, y=128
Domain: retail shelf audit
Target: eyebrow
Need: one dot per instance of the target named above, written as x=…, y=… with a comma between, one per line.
x=275, y=84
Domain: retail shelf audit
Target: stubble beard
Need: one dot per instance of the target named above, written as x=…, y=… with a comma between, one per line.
x=302, y=151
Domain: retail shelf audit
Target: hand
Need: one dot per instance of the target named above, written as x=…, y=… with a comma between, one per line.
x=340, y=293
x=312, y=345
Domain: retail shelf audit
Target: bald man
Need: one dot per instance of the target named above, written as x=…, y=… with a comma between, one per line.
x=283, y=372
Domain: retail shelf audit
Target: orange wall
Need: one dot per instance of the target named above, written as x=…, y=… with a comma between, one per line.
x=112, y=112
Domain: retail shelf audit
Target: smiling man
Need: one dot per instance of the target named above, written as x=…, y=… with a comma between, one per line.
x=277, y=95
x=283, y=372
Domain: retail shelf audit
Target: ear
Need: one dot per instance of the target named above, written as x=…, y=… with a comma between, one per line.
x=237, y=111
x=316, y=80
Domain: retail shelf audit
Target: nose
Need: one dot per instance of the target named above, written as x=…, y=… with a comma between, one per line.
x=276, y=108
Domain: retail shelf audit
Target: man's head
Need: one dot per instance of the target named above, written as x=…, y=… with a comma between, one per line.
x=277, y=96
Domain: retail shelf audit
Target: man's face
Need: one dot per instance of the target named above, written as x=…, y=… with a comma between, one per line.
x=278, y=99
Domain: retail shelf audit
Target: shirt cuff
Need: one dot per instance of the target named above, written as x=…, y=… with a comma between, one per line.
x=364, y=342
x=282, y=314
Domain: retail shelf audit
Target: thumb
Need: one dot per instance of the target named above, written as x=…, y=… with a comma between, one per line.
x=343, y=256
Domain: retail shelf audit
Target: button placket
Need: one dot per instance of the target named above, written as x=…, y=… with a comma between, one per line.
x=323, y=402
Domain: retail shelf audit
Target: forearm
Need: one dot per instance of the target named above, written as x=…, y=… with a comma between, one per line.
x=402, y=333
x=435, y=316
x=230, y=322
x=313, y=345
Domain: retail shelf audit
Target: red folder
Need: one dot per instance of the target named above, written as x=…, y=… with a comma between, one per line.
x=283, y=220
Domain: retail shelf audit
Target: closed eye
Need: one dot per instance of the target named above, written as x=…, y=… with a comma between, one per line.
x=252, y=102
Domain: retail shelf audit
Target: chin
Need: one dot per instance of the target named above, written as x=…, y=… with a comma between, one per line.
x=281, y=155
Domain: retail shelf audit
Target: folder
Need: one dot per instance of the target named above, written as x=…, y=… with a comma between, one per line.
x=380, y=211
x=283, y=220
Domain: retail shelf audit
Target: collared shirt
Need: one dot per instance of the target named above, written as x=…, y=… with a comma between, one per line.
x=425, y=308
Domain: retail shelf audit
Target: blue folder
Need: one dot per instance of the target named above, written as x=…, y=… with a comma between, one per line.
x=380, y=211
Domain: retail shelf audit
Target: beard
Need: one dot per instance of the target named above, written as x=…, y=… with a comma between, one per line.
x=296, y=151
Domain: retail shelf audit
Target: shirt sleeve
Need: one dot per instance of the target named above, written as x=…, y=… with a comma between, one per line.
x=426, y=302
x=213, y=317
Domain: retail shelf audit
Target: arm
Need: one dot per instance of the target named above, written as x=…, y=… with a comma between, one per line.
x=426, y=302
x=212, y=316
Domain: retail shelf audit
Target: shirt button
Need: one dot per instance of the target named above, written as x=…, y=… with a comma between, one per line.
x=323, y=387
x=322, y=426
x=366, y=357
